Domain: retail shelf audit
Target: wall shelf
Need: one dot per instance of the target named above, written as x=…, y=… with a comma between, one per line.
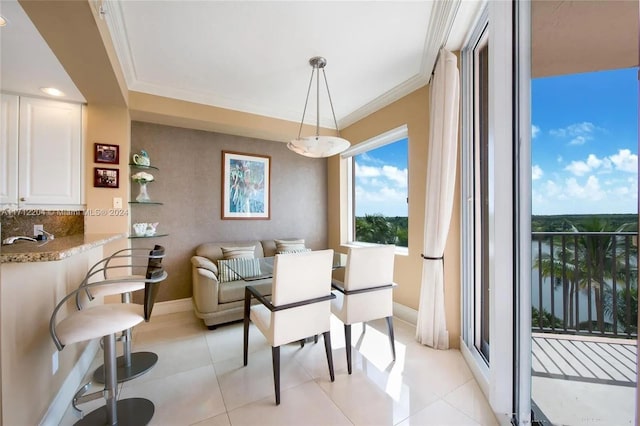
x=146, y=202
x=147, y=236
x=138, y=166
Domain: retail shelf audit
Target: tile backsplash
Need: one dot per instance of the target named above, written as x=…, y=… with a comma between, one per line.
x=57, y=222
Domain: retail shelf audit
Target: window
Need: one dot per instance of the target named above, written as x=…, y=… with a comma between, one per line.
x=496, y=247
x=476, y=158
x=378, y=185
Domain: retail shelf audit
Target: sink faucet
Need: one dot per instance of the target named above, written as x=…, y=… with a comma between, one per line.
x=12, y=240
x=49, y=235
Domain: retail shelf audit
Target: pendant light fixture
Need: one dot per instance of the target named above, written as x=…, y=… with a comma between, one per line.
x=318, y=146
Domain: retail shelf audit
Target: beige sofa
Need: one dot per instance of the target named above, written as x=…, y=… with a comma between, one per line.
x=217, y=303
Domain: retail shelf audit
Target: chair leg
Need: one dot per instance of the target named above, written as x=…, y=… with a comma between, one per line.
x=247, y=310
x=245, y=346
x=275, y=356
x=391, y=338
x=327, y=348
x=347, y=345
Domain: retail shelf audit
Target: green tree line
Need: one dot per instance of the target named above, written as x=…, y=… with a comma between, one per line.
x=379, y=229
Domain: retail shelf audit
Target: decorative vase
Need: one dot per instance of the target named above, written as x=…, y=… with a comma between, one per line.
x=143, y=195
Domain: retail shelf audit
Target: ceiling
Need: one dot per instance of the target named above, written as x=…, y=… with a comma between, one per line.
x=26, y=62
x=581, y=36
x=252, y=56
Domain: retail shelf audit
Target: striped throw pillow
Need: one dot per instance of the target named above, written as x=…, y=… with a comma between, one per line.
x=297, y=250
x=238, y=252
x=288, y=246
x=227, y=269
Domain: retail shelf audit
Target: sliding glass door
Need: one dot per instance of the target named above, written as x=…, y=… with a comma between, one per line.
x=496, y=213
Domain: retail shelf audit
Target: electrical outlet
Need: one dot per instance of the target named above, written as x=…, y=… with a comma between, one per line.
x=117, y=202
x=37, y=230
x=54, y=362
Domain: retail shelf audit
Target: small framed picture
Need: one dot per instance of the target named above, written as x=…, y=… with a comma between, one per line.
x=106, y=153
x=106, y=178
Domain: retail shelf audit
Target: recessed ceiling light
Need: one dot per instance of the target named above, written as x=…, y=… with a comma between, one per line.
x=3, y=21
x=52, y=91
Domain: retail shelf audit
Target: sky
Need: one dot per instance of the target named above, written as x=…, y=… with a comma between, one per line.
x=585, y=143
x=584, y=150
x=381, y=180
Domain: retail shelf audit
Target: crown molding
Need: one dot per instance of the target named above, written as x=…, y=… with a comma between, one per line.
x=441, y=20
x=115, y=22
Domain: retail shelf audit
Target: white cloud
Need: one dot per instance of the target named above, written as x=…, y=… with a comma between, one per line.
x=552, y=189
x=593, y=161
x=578, y=168
x=536, y=172
x=367, y=171
x=581, y=168
x=399, y=176
x=534, y=131
x=573, y=130
x=580, y=133
x=381, y=190
x=578, y=140
x=625, y=161
x=590, y=190
x=616, y=193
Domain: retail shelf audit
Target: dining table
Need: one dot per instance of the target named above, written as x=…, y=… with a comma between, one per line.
x=265, y=269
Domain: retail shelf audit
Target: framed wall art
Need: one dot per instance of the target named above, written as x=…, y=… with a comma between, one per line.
x=246, y=181
x=106, y=178
x=104, y=153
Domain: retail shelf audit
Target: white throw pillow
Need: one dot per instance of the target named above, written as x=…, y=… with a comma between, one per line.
x=290, y=246
x=247, y=252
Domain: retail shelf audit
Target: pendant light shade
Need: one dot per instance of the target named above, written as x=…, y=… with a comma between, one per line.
x=318, y=146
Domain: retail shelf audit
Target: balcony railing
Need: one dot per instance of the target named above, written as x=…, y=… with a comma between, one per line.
x=585, y=283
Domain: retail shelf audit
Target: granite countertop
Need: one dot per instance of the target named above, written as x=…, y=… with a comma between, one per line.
x=56, y=249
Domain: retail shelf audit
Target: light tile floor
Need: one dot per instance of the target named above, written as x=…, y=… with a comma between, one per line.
x=200, y=380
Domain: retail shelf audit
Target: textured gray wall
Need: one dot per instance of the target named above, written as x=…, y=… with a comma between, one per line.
x=189, y=185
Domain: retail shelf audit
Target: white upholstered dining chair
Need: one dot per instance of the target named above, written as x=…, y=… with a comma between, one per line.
x=367, y=291
x=300, y=306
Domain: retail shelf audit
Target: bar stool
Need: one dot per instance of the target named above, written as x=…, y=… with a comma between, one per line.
x=130, y=364
x=105, y=321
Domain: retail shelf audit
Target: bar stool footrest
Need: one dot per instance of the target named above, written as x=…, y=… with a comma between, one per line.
x=141, y=362
x=131, y=412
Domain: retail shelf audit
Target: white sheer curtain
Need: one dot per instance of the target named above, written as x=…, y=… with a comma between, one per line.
x=441, y=176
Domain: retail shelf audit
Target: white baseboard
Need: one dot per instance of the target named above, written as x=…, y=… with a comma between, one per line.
x=173, y=306
x=71, y=384
x=405, y=313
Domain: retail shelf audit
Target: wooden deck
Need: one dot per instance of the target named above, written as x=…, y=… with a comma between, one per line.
x=589, y=359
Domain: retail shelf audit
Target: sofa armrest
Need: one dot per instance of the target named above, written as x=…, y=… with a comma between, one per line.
x=203, y=262
x=205, y=284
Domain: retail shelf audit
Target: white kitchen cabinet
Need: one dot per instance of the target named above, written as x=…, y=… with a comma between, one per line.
x=9, y=149
x=48, y=170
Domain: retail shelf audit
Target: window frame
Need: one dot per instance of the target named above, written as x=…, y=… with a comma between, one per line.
x=506, y=380
x=386, y=138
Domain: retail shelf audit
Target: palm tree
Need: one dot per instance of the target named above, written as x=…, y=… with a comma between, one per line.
x=626, y=306
x=587, y=260
x=374, y=228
